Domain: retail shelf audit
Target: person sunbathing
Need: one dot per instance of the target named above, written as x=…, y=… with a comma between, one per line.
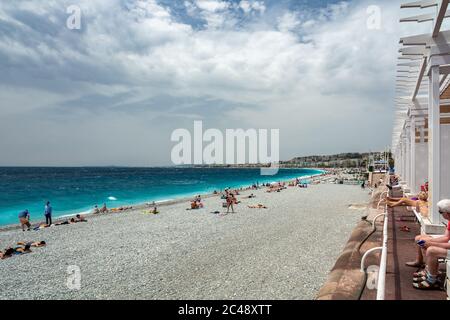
x=72, y=220
x=7, y=254
x=422, y=200
x=121, y=209
x=36, y=244
x=258, y=206
x=80, y=218
x=41, y=226
x=22, y=250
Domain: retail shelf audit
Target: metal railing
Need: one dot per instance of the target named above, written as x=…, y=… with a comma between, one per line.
x=381, y=283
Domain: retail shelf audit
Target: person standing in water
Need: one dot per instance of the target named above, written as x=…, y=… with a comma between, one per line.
x=48, y=213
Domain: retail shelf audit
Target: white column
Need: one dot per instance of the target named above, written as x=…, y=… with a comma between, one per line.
x=408, y=154
x=434, y=143
x=401, y=158
x=404, y=159
x=413, y=155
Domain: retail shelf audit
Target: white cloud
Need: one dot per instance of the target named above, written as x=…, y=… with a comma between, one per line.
x=318, y=76
x=251, y=6
x=288, y=22
x=212, y=5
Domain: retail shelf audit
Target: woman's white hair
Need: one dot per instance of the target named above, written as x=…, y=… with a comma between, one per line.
x=444, y=206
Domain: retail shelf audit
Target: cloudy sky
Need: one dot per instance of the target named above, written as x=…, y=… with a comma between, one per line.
x=112, y=92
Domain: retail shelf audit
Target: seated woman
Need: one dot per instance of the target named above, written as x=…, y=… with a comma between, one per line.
x=421, y=203
x=194, y=205
x=104, y=209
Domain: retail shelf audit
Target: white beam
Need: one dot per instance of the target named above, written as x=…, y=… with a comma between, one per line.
x=413, y=155
x=409, y=64
x=420, y=18
x=442, y=9
x=423, y=67
x=420, y=4
x=413, y=51
x=426, y=39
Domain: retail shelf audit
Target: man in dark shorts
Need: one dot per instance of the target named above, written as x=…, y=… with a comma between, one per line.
x=48, y=213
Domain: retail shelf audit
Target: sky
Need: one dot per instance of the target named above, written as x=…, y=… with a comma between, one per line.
x=113, y=91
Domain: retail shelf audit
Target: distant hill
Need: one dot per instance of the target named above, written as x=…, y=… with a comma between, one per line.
x=343, y=160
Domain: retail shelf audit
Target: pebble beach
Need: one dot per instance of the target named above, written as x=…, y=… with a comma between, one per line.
x=283, y=252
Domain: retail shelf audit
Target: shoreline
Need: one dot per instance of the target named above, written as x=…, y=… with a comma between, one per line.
x=141, y=205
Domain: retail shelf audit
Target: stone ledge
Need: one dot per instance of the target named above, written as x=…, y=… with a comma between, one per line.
x=346, y=280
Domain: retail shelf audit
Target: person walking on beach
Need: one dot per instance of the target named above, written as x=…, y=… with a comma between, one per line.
x=48, y=213
x=24, y=218
x=230, y=202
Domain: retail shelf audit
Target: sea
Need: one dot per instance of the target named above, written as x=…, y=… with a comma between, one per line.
x=78, y=190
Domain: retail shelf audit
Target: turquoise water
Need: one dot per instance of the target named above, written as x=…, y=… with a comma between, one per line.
x=74, y=190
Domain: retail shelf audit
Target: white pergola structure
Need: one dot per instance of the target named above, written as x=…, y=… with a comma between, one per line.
x=421, y=137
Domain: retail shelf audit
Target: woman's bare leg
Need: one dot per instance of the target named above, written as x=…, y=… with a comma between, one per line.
x=402, y=202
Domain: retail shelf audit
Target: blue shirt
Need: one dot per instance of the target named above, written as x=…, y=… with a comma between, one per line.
x=48, y=210
x=23, y=214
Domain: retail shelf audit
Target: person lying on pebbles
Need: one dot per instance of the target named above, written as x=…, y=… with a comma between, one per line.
x=77, y=219
x=22, y=248
x=258, y=206
x=121, y=209
x=35, y=244
x=7, y=254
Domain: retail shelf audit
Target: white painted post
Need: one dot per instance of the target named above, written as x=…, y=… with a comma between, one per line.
x=413, y=155
x=434, y=143
x=404, y=152
x=408, y=154
x=401, y=158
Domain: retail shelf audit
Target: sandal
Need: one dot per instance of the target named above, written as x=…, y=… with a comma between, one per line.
x=425, y=285
x=419, y=274
x=405, y=229
x=420, y=279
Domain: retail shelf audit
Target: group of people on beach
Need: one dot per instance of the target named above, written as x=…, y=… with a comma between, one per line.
x=21, y=248
x=430, y=248
x=96, y=210
x=24, y=219
x=230, y=195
